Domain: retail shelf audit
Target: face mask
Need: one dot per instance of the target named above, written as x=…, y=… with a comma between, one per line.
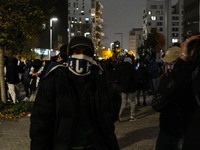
x=80, y=64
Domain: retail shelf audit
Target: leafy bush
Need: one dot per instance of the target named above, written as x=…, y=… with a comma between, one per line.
x=13, y=111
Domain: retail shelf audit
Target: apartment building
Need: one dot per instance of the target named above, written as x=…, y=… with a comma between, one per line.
x=135, y=39
x=166, y=18
x=85, y=18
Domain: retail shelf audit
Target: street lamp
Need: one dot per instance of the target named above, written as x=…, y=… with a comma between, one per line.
x=121, y=39
x=51, y=25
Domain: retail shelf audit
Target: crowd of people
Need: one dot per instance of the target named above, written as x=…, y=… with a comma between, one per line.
x=77, y=99
x=27, y=72
x=123, y=73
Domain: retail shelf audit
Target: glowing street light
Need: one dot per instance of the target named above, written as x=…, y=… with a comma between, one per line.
x=121, y=39
x=51, y=27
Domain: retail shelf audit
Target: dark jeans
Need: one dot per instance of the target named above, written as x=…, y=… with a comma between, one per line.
x=143, y=94
x=27, y=88
x=154, y=82
x=166, y=141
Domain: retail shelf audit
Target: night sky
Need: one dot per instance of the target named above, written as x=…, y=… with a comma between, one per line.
x=120, y=16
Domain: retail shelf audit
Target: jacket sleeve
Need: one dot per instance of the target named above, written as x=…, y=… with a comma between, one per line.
x=173, y=85
x=43, y=116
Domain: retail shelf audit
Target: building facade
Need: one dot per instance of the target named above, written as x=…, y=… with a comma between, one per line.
x=135, y=39
x=85, y=19
x=191, y=16
x=166, y=18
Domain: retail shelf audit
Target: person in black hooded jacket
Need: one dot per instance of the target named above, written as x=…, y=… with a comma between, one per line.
x=127, y=83
x=73, y=107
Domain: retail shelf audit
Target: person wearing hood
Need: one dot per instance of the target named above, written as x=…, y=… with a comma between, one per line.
x=142, y=81
x=73, y=107
x=128, y=87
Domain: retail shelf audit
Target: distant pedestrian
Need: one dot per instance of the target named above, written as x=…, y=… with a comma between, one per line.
x=27, y=79
x=128, y=87
x=111, y=68
x=36, y=70
x=12, y=78
x=142, y=79
x=154, y=74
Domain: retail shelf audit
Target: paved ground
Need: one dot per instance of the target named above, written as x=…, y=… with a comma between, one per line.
x=137, y=135
x=140, y=134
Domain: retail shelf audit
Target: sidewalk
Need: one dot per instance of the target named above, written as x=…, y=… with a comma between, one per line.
x=140, y=134
x=136, y=135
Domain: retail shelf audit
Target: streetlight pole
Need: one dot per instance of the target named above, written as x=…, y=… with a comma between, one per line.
x=121, y=39
x=51, y=27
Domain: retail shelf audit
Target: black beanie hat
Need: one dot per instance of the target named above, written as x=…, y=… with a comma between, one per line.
x=80, y=41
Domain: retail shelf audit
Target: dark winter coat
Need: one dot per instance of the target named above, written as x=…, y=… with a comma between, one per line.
x=27, y=69
x=111, y=71
x=126, y=80
x=55, y=108
x=12, y=71
x=154, y=69
x=142, y=78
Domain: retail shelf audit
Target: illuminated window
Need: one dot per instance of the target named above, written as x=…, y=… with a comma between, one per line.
x=87, y=19
x=72, y=34
x=174, y=40
x=153, y=17
x=82, y=12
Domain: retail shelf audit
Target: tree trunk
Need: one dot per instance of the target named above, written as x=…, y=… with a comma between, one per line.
x=2, y=80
